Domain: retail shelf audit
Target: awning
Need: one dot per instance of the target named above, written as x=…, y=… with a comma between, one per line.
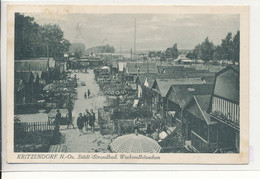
x=133, y=143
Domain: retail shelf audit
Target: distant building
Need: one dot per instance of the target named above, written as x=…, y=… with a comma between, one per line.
x=133, y=69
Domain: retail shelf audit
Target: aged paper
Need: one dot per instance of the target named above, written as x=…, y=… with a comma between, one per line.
x=159, y=133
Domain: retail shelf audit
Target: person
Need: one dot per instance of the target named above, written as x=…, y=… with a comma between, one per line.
x=69, y=119
x=85, y=95
x=92, y=119
x=88, y=93
x=148, y=129
x=136, y=125
x=86, y=119
x=80, y=124
x=58, y=119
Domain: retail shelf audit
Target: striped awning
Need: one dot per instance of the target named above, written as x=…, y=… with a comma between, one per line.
x=57, y=148
x=133, y=143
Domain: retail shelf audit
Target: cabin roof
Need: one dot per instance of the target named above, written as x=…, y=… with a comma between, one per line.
x=202, y=102
x=227, y=84
x=183, y=93
x=165, y=84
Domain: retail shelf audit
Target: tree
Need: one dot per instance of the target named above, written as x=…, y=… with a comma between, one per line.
x=26, y=33
x=191, y=55
x=227, y=47
x=236, y=47
x=197, y=51
x=78, y=54
x=207, y=50
x=218, y=53
x=34, y=41
x=172, y=52
x=52, y=36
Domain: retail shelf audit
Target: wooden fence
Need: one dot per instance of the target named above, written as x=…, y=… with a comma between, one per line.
x=33, y=126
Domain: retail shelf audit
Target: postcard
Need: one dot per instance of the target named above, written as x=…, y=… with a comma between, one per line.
x=127, y=84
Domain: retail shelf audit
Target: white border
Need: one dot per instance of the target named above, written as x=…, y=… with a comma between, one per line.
x=254, y=105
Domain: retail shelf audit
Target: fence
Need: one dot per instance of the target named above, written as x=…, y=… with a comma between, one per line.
x=33, y=126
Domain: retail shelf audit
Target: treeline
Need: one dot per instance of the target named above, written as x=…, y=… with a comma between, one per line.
x=229, y=49
x=101, y=49
x=33, y=40
x=171, y=52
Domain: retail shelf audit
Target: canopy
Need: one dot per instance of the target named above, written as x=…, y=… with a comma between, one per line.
x=105, y=68
x=133, y=143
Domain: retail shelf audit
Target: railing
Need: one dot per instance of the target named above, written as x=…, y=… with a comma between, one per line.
x=200, y=144
x=225, y=119
x=33, y=126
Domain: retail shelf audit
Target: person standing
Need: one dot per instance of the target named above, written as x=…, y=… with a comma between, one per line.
x=136, y=125
x=88, y=93
x=58, y=119
x=80, y=124
x=92, y=120
x=85, y=95
x=69, y=119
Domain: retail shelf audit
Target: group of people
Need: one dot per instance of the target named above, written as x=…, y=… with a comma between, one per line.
x=87, y=94
x=88, y=119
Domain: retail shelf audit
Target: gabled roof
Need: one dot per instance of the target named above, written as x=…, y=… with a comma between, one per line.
x=39, y=73
x=227, y=84
x=165, y=84
x=201, y=103
x=181, y=94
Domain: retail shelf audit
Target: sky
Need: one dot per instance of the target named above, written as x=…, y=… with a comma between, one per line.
x=153, y=31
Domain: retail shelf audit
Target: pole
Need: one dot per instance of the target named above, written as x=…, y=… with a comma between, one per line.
x=135, y=39
x=120, y=47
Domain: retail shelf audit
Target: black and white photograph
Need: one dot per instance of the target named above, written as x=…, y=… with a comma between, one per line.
x=126, y=83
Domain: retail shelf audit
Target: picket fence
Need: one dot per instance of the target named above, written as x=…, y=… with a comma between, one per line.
x=33, y=126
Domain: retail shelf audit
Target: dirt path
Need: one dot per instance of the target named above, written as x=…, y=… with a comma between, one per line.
x=90, y=142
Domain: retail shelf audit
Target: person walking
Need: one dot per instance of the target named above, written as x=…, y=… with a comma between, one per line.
x=80, y=124
x=69, y=119
x=88, y=93
x=92, y=120
x=85, y=95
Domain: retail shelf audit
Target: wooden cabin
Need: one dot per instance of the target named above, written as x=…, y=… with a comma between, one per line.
x=224, y=108
x=200, y=128
x=176, y=99
x=161, y=87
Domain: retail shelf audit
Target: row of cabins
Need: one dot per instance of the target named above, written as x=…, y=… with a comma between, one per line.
x=32, y=75
x=203, y=106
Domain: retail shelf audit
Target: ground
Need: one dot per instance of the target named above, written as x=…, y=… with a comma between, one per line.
x=89, y=142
